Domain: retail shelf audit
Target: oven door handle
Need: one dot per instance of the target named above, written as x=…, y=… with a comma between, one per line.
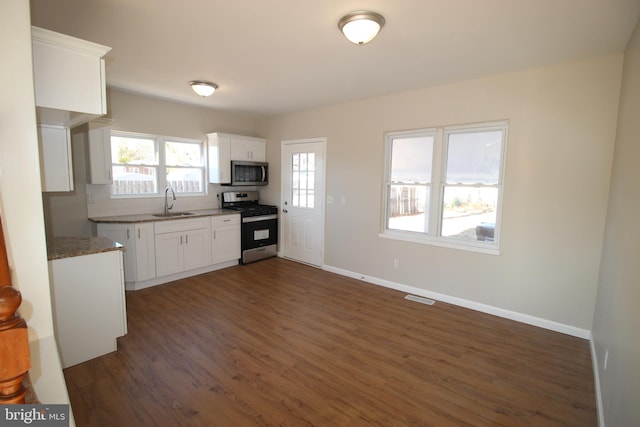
x=259, y=218
x=264, y=173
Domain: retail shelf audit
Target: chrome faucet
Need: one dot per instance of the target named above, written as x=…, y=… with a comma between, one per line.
x=166, y=201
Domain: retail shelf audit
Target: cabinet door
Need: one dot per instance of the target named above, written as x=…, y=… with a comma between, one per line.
x=123, y=234
x=197, y=249
x=219, y=159
x=226, y=244
x=89, y=299
x=145, y=253
x=169, y=253
x=99, y=156
x=56, y=167
x=68, y=73
x=248, y=149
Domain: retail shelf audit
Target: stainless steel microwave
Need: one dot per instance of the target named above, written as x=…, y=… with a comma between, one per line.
x=249, y=173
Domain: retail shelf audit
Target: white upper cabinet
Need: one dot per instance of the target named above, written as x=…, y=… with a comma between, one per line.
x=96, y=137
x=69, y=78
x=249, y=149
x=56, y=166
x=224, y=147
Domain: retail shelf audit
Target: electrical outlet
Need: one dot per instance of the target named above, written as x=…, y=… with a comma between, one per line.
x=396, y=263
x=606, y=358
x=329, y=200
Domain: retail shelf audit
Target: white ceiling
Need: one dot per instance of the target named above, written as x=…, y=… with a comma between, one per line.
x=277, y=56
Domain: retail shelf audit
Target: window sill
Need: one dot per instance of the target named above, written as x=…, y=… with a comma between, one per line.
x=470, y=246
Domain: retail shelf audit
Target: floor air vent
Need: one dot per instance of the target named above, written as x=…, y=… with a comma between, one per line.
x=421, y=300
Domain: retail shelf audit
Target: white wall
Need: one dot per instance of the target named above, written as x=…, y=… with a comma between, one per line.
x=561, y=135
x=616, y=318
x=20, y=200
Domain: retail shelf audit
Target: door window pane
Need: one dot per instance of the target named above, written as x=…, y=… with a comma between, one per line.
x=303, y=180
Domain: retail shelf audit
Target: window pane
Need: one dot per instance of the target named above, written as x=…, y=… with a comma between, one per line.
x=408, y=207
x=139, y=151
x=185, y=180
x=303, y=180
x=469, y=213
x=411, y=159
x=134, y=180
x=183, y=154
x=474, y=158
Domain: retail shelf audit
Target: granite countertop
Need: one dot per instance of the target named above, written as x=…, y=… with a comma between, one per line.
x=150, y=217
x=66, y=247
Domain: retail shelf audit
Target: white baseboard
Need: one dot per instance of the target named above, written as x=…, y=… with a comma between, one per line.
x=596, y=381
x=484, y=308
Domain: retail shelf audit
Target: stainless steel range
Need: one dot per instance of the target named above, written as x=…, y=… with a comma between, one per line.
x=259, y=229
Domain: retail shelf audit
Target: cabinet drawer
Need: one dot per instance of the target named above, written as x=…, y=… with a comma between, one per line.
x=173, y=225
x=219, y=220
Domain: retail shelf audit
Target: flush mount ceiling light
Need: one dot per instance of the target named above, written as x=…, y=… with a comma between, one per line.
x=203, y=88
x=361, y=27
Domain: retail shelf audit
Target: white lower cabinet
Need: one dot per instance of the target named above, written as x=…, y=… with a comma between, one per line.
x=88, y=305
x=139, y=244
x=161, y=251
x=225, y=238
x=182, y=245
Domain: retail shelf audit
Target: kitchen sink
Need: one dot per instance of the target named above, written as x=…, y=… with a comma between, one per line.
x=173, y=214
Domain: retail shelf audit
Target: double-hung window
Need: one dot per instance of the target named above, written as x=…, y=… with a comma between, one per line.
x=144, y=165
x=444, y=186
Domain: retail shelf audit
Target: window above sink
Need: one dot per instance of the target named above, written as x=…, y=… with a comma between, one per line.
x=144, y=164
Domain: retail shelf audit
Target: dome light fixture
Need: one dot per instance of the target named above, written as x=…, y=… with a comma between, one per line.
x=203, y=88
x=361, y=26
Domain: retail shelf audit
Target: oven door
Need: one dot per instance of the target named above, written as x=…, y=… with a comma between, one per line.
x=257, y=231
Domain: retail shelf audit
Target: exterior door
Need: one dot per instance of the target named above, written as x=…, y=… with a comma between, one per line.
x=303, y=167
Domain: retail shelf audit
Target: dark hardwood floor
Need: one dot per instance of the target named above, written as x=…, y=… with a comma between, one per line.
x=276, y=343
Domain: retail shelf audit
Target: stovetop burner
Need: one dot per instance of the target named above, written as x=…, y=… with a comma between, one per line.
x=253, y=209
x=246, y=203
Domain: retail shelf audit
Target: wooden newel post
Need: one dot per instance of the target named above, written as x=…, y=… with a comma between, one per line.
x=15, y=360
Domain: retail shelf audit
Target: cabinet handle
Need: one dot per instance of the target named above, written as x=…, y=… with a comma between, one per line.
x=180, y=239
x=186, y=239
x=128, y=236
x=214, y=234
x=138, y=234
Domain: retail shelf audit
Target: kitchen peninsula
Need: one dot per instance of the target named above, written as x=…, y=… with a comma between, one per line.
x=87, y=287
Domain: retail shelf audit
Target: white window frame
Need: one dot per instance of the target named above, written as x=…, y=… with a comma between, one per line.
x=159, y=144
x=437, y=186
